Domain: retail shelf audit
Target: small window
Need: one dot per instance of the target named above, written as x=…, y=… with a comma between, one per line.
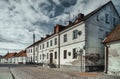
x=36, y=49
x=65, y=38
x=75, y=34
x=55, y=55
x=47, y=44
x=47, y=55
x=65, y=54
x=97, y=17
x=114, y=21
x=43, y=56
x=107, y=18
x=74, y=53
x=55, y=41
x=43, y=46
x=106, y=33
x=50, y=42
x=40, y=57
x=40, y=47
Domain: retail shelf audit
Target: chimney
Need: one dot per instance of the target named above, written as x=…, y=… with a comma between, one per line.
x=79, y=18
x=56, y=28
x=80, y=15
x=42, y=38
x=69, y=23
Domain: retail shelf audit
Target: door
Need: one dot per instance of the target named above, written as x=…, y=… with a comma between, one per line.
x=51, y=58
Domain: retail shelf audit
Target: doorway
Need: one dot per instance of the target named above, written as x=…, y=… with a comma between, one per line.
x=51, y=58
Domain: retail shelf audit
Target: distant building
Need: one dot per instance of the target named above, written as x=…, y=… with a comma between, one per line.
x=0, y=58
x=20, y=58
x=78, y=45
x=8, y=58
x=112, y=53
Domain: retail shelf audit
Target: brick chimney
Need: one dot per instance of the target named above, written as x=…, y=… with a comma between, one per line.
x=58, y=28
x=79, y=18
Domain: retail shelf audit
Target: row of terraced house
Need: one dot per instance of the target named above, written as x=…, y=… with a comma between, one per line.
x=81, y=45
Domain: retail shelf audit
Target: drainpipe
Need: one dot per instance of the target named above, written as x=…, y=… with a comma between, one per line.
x=106, y=58
x=59, y=50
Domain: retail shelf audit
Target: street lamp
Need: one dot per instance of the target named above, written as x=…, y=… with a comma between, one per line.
x=80, y=53
x=79, y=50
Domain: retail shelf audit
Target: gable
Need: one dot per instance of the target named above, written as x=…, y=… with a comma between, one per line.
x=100, y=14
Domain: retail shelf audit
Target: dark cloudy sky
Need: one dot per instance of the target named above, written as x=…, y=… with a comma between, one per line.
x=19, y=17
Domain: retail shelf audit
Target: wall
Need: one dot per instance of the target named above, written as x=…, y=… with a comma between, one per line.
x=96, y=30
x=114, y=58
x=71, y=44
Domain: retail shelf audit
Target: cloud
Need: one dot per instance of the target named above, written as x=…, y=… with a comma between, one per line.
x=19, y=17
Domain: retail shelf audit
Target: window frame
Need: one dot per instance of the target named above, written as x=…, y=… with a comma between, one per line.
x=65, y=38
x=65, y=54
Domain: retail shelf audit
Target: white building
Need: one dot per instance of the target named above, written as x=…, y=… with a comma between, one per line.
x=20, y=58
x=112, y=54
x=77, y=46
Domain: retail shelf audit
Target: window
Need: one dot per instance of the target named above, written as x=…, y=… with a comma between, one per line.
x=31, y=50
x=36, y=49
x=114, y=21
x=75, y=33
x=40, y=47
x=74, y=53
x=55, y=41
x=50, y=42
x=40, y=57
x=65, y=38
x=43, y=46
x=65, y=54
x=47, y=55
x=97, y=17
x=55, y=55
x=106, y=33
x=47, y=44
x=43, y=56
x=107, y=18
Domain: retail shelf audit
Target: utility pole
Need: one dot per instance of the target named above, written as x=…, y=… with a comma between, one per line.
x=33, y=47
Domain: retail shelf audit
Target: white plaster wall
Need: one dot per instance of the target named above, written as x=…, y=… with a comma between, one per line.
x=46, y=50
x=114, y=58
x=71, y=44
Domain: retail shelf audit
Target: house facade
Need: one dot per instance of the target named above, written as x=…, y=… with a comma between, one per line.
x=8, y=58
x=20, y=58
x=112, y=52
x=78, y=45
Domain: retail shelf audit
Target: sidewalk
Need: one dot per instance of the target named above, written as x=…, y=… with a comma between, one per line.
x=5, y=73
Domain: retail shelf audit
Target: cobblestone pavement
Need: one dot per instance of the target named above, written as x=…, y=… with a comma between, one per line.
x=45, y=73
x=5, y=73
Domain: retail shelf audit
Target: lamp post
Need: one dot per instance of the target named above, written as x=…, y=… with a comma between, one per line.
x=80, y=53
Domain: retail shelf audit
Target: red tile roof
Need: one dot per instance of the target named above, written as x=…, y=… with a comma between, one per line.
x=9, y=55
x=114, y=35
x=21, y=54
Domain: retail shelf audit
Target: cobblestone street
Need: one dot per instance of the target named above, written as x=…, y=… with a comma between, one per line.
x=35, y=72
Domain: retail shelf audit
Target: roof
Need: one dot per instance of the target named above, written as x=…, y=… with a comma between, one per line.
x=79, y=20
x=114, y=35
x=9, y=55
x=21, y=54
